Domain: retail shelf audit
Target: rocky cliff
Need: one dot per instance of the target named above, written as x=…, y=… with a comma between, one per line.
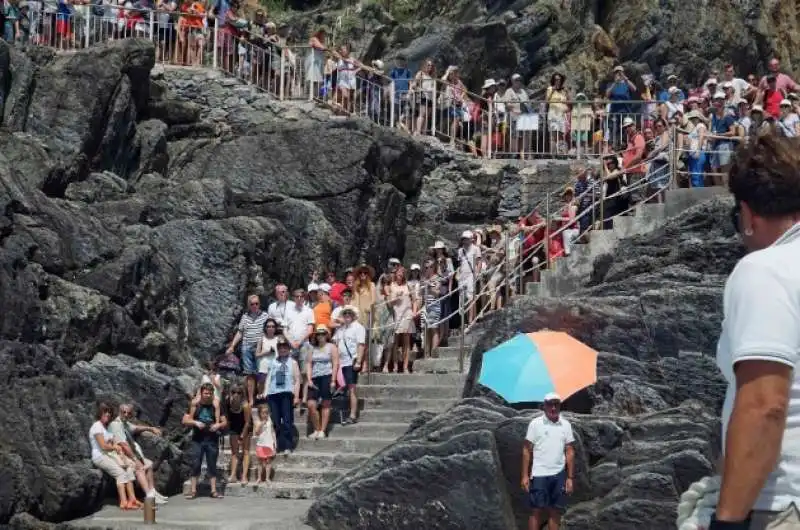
x=581, y=38
x=645, y=431
x=137, y=210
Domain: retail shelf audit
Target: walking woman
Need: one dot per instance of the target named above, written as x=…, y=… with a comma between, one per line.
x=283, y=394
x=759, y=345
x=239, y=422
x=430, y=287
x=446, y=272
x=403, y=305
x=321, y=367
x=207, y=420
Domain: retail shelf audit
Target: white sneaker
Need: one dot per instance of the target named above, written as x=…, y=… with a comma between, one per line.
x=160, y=499
x=287, y=452
x=321, y=435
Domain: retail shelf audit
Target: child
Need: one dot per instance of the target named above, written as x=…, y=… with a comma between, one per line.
x=265, y=443
x=211, y=376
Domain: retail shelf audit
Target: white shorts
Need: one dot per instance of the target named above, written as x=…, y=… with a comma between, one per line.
x=113, y=467
x=466, y=286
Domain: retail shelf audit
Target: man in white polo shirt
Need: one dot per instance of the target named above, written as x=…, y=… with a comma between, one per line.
x=548, y=482
x=759, y=347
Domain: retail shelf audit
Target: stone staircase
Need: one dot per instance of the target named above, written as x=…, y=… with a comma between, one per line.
x=572, y=272
x=387, y=404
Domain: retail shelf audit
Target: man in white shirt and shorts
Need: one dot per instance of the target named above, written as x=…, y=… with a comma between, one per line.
x=548, y=481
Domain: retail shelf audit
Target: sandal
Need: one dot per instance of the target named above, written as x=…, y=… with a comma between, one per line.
x=216, y=495
x=125, y=507
x=190, y=496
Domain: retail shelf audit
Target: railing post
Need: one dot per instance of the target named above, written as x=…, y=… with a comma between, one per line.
x=87, y=27
x=434, y=108
x=215, y=44
x=152, y=30
x=463, y=330
x=506, y=273
x=489, y=132
x=424, y=319
x=547, y=230
x=370, y=338
x=281, y=74
x=392, y=95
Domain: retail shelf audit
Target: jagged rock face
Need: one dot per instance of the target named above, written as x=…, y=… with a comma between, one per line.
x=646, y=430
x=461, y=469
x=136, y=214
x=581, y=38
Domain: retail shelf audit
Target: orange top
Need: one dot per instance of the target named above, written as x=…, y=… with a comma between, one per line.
x=194, y=21
x=322, y=314
x=635, y=147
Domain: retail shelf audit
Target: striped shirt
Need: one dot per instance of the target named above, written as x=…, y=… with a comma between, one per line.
x=251, y=326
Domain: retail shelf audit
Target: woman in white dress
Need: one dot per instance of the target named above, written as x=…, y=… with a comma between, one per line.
x=423, y=86
x=315, y=62
x=404, y=311
x=346, y=70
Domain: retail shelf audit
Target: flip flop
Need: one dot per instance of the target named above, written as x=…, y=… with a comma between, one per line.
x=216, y=495
x=190, y=496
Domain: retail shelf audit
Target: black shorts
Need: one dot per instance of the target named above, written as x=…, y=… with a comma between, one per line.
x=323, y=390
x=350, y=376
x=549, y=492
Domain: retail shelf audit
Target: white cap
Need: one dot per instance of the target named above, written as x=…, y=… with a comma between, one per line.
x=466, y=234
x=757, y=108
x=324, y=287
x=719, y=95
x=377, y=64
x=415, y=267
x=552, y=396
x=627, y=122
x=439, y=244
x=312, y=287
x=515, y=77
x=672, y=76
x=727, y=84
x=786, y=103
x=394, y=261
x=489, y=83
x=711, y=81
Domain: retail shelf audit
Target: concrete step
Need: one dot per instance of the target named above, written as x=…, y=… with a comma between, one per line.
x=418, y=379
x=344, y=445
x=410, y=391
x=452, y=352
x=387, y=415
x=444, y=365
x=281, y=473
x=410, y=404
x=532, y=288
x=273, y=490
x=300, y=459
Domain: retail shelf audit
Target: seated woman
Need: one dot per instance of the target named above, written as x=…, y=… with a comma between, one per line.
x=109, y=456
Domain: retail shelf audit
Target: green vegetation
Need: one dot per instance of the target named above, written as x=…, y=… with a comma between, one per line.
x=401, y=10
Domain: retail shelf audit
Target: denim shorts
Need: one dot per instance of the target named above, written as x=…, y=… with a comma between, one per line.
x=548, y=492
x=722, y=155
x=249, y=366
x=350, y=376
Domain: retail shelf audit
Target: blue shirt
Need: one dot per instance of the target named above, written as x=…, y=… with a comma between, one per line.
x=402, y=80
x=281, y=375
x=620, y=91
x=664, y=95
x=720, y=126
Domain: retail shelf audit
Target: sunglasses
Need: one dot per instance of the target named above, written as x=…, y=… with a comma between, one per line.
x=271, y=326
x=252, y=304
x=236, y=393
x=736, y=216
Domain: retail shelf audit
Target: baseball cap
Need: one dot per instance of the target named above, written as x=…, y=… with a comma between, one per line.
x=415, y=267
x=324, y=287
x=627, y=122
x=466, y=234
x=552, y=396
x=394, y=261
x=312, y=287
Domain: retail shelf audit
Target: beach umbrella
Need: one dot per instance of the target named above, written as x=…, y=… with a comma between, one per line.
x=531, y=365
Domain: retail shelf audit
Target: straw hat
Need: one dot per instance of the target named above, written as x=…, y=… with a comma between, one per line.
x=364, y=267
x=321, y=328
x=696, y=114
x=351, y=309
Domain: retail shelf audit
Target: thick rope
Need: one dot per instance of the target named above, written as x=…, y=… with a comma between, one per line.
x=698, y=503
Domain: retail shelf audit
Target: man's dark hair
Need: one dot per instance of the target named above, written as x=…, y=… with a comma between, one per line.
x=766, y=175
x=348, y=292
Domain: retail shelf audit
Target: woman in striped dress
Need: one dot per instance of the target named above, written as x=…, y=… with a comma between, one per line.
x=430, y=287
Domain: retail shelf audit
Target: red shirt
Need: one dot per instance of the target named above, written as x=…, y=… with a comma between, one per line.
x=336, y=292
x=772, y=103
x=635, y=148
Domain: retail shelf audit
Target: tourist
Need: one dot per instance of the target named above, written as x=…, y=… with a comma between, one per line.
x=567, y=225
x=278, y=309
x=741, y=88
x=403, y=308
x=346, y=70
x=125, y=431
x=324, y=308
x=431, y=287
x=283, y=394
x=723, y=128
x=108, y=456
x=614, y=203
x=351, y=341
x=299, y=330
x=658, y=174
x=454, y=100
x=771, y=97
x=783, y=82
x=548, y=464
x=557, y=99
x=249, y=332
x=213, y=377
x=759, y=345
x=585, y=193
x=265, y=444
x=620, y=92
x=469, y=267
x=697, y=149
x=11, y=22
x=634, y=154
x=322, y=365
x=315, y=63
x=401, y=77
x=364, y=292
x=446, y=273
x=789, y=122
x=423, y=88
x=310, y=299
x=207, y=421
x=336, y=316
x=239, y=415
x=337, y=287
x=265, y=353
